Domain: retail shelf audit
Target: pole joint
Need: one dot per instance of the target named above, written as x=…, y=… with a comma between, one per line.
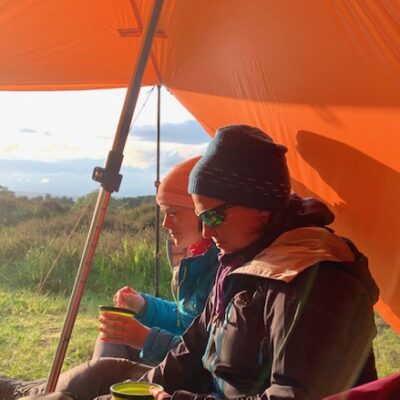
x=109, y=177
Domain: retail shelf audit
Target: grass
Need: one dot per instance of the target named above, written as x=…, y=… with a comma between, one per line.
x=386, y=349
x=31, y=326
x=30, y=330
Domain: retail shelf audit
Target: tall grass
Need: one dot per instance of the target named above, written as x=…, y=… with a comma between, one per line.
x=41, y=254
x=39, y=259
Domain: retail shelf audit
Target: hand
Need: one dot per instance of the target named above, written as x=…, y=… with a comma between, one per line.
x=130, y=299
x=122, y=330
x=158, y=393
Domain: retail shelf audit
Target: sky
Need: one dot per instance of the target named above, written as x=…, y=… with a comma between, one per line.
x=51, y=141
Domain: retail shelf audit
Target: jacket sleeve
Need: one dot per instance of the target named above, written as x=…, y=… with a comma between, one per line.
x=322, y=327
x=182, y=369
x=161, y=313
x=157, y=345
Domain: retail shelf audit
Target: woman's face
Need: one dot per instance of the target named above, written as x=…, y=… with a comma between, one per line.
x=182, y=224
x=241, y=226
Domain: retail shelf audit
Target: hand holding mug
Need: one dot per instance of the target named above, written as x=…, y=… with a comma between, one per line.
x=122, y=329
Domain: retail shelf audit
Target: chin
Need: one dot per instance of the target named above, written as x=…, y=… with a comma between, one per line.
x=223, y=249
x=181, y=244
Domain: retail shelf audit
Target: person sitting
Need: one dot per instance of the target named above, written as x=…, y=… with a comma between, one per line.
x=194, y=263
x=291, y=313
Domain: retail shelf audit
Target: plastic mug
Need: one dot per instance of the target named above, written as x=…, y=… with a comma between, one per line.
x=133, y=390
x=117, y=311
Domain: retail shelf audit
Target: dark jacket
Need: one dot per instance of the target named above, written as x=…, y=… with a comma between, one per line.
x=298, y=324
x=169, y=319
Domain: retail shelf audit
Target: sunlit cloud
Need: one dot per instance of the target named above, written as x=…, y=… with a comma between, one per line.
x=142, y=154
x=8, y=149
x=45, y=180
x=138, y=153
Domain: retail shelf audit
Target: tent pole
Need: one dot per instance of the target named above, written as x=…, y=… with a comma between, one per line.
x=110, y=180
x=157, y=183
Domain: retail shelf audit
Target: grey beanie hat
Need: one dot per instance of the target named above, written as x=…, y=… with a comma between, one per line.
x=243, y=166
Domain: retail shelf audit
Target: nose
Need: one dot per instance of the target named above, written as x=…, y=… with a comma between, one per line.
x=166, y=222
x=207, y=232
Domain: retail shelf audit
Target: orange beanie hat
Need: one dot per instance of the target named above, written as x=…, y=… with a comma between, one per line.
x=173, y=188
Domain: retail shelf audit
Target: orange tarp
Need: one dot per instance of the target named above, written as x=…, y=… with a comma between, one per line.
x=322, y=77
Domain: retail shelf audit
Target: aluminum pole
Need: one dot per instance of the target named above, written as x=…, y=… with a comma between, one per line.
x=157, y=251
x=103, y=197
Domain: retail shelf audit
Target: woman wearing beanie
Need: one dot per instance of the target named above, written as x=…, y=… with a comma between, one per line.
x=158, y=323
x=291, y=314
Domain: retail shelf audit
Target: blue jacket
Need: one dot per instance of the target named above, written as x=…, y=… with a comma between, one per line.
x=169, y=319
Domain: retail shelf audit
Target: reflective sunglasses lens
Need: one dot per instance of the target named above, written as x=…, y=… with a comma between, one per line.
x=212, y=218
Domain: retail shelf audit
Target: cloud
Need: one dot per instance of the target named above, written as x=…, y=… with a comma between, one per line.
x=80, y=166
x=141, y=154
x=27, y=130
x=9, y=148
x=67, y=162
x=188, y=132
x=182, y=140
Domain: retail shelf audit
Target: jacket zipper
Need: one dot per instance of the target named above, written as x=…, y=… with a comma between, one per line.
x=177, y=300
x=220, y=386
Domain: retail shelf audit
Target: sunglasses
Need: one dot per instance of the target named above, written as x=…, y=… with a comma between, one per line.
x=214, y=217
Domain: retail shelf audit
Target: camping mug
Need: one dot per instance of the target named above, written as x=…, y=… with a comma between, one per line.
x=133, y=390
x=117, y=311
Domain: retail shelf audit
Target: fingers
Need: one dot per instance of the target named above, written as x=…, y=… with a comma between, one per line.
x=112, y=322
x=158, y=394
x=113, y=331
x=123, y=330
x=118, y=299
x=116, y=328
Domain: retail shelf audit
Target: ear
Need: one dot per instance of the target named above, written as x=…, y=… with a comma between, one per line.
x=265, y=216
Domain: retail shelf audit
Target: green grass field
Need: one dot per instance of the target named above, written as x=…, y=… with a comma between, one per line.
x=41, y=244
x=30, y=329
x=31, y=325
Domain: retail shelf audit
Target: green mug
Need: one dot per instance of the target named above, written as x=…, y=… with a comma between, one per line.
x=133, y=390
x=117, y=311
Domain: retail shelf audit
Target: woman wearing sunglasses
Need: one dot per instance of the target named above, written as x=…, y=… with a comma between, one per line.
x=291, y=314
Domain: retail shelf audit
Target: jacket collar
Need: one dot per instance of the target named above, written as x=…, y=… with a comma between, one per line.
x=244, y=255
x=296, y=250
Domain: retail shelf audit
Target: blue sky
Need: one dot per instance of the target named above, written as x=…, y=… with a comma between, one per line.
x=51, y=141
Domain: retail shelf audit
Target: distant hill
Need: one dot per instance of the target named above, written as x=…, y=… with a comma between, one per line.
x=20, y=206
x=30, y=195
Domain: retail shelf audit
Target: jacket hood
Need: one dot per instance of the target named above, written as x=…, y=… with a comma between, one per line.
x=296, y=250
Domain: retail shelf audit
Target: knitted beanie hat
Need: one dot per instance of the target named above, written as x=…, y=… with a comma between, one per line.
x=243, y=166
x=173, y=188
